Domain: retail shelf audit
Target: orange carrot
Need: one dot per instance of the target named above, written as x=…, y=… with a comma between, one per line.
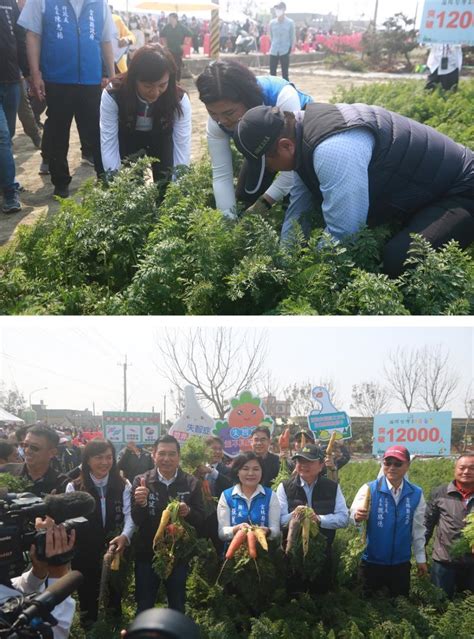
x=284, y=439
x=206, y=488
x=236, y=542
x=252, y=544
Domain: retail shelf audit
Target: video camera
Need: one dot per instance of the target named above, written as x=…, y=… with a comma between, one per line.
x=28, y=616
x=162, y=623
x=17, y=525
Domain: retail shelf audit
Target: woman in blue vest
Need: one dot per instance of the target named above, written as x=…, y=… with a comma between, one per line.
x=145, y=109
x=229, y=89
x=248, y=502
x=110, y=524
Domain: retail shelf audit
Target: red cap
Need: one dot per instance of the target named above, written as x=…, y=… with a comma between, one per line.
x=399, y=452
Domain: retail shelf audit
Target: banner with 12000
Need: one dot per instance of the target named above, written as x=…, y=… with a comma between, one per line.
x=421, y=433
x=447, y=22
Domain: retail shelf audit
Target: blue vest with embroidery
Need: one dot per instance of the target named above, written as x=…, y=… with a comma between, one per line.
x=71, y=47
x=240, y=513
x=389, y=527
x=272, y=86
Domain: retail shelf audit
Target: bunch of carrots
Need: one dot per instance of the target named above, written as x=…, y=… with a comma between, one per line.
x=245, y=541
x=304, y=526
x=284, y=472
x=170, y=540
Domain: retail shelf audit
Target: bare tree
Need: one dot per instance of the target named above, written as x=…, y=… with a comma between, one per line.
x=439, y=381
x=269, y=385
x=302, y=398
x=404, y=375
x=12, y=400
x=219, y=363
x=370, y=398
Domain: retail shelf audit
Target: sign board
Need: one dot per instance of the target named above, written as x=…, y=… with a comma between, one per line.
x=87, y=436
x=246, y=414
x=326, y=419
x=141, y=428
x=447, y=22
x=421, y=433
x=194, y=420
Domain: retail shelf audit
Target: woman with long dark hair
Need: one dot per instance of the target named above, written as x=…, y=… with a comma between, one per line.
x=145, y=109
x=229, y=89
x=109, y=525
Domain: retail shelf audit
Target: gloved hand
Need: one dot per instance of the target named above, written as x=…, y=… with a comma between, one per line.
x=259, y=207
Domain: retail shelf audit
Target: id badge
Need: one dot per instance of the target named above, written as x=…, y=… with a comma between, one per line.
x=444, y=63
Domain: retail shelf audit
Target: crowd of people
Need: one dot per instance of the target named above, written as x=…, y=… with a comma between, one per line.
x=131, y=493
x=362, y=165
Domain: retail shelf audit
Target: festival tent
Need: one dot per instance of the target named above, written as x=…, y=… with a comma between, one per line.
x=9, y=418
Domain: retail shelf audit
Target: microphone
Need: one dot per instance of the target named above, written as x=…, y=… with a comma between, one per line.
x=42, y=604
x=60, y=507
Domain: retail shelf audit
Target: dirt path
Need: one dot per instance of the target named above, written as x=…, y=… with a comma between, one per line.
x=37, y=198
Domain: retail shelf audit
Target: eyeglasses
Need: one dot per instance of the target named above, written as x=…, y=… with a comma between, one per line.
x=397, y=464
x=260, y=440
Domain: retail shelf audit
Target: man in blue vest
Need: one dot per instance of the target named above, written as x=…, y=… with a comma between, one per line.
x=395, y=526
x=66, y=41
x=364, y=165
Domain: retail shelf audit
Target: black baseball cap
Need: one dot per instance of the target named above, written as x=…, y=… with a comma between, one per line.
x=256, y=133
x=311, y=452
x=308, y=435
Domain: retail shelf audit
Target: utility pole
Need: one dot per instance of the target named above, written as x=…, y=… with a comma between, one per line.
x=125, y=366
x=164, y=409
x=376, y=9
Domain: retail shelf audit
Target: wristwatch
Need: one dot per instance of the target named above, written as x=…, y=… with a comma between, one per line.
x=265, y=202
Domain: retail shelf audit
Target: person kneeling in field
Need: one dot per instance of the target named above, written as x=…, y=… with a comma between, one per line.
x=228, y=89
x=447, y=510
x=307, y=487
x=394, y=510
x=364, y=165
x=145, y=109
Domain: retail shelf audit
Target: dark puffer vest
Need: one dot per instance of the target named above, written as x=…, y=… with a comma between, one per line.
x=323, y=502
x=412, y=164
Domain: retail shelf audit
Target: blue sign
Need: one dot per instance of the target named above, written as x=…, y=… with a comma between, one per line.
x=323, y=424
x=421, y=433
x=447, y=22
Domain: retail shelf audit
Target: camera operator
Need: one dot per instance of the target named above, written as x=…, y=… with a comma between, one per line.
x=43, y=574
x=40, y=447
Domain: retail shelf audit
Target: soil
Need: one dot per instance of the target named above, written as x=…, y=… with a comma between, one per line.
x=37, y=198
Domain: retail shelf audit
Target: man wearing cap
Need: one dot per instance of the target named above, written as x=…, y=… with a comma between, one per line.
x=282, y=37
x=363, y=165
x=395, y=526
x=307, y=487
x=447, y=509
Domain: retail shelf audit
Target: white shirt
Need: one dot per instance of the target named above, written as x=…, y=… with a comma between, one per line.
x=453, y=52
x=338, y=519
x=27, y=583
x=223, y=513
x=100, y=484
x=109, y=129
x=418, y=528
x=166, y=482
x=221, y=159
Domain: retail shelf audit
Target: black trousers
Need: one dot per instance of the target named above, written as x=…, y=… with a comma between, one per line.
x=395, y=579
x=447, y=81
x=66, y=101
x=156, y=146
x=451, y=218
x=284, y=60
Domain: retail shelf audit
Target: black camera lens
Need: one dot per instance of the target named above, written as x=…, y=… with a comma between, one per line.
x=162, y=623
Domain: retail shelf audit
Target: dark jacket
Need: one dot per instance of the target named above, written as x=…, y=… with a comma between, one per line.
x=133, y=465
x=12, y=44
x=51, y=480
x=412, y=164
x=323, y=499
x=222, y=482
x=446, y=510
x=185, y=488
x=271, y=467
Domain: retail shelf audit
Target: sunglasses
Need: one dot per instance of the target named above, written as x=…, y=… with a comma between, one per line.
x=397, y=464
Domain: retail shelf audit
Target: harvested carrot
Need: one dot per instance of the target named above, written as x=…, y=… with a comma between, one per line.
x=115, y=565
x=239, y=538
x=261, y=537
x=284, y=439
x=293, y=530
x=165, y=517
x=206, y=488
x=252, y=544
x=305, y=526
x=329, y=449
x=366, y=502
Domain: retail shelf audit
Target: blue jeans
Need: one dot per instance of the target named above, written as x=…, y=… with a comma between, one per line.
x=9, y=101
x=452, y=577
x=147, y=584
